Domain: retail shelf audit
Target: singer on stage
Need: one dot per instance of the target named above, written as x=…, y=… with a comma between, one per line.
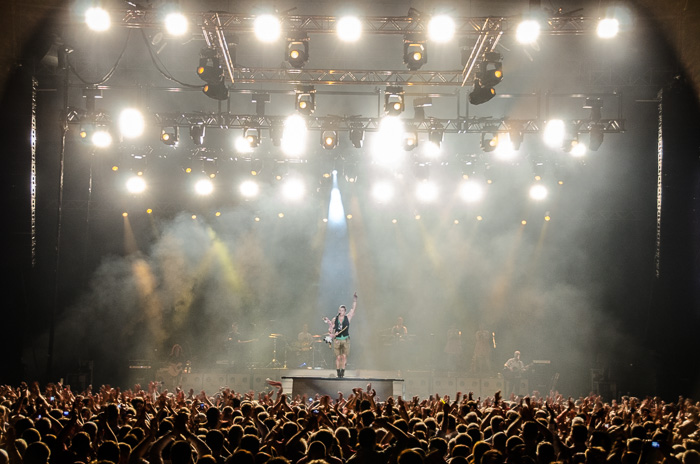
x=339, y=330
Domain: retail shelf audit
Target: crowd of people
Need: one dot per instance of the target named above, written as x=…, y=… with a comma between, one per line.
x=55, y=425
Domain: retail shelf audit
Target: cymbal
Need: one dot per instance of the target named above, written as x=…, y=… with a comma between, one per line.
x=275, y=336
x=317, y=336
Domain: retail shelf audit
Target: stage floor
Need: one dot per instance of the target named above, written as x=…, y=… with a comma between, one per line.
x=420, y=383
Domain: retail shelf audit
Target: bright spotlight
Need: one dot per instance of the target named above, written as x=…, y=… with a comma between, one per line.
x=431, y=149
x=505, y=149
x=426, y=192
x=538, y=192
x=267, y=28
x=176, y=24
x=131, y=123
x=383, y=191
x=554, y=133
x=388, y=144
x=242, y=145
x=528, y=31
x=349, y=29
x=471, y=191
x=135, y=184
x=441, y=28
x=293, y=189
x=578, y=149
x=101, y=138
x=204, y=187
x=293, y=140
x=608, y=28
x=249, y=189
x=97, y=19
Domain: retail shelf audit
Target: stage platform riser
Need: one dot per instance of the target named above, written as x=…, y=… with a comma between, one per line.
x=414, y=383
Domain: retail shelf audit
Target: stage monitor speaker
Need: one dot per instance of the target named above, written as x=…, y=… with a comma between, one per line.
x=417, y=383
x=212, y=382
x=239, y=383
x=490, y=386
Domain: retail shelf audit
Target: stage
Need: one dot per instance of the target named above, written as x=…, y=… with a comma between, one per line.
x=408, y=383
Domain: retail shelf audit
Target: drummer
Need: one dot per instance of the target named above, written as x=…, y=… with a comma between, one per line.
x=399, y=331
x=305, y=346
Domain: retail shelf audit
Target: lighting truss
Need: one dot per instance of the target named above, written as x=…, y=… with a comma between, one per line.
x=318, y=24
x=457, y=125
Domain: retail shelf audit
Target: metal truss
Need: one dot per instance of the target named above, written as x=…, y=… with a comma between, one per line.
x=249, y=75
x=317, y=123
x=316, y=24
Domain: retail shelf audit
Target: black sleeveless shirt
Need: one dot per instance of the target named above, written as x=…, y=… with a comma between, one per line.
x=342, y=328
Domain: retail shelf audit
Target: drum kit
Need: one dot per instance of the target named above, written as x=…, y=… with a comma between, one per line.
x=310, y=355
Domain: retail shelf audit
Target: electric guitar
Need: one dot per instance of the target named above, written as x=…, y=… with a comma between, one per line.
x=515, y=373
x=175, y=369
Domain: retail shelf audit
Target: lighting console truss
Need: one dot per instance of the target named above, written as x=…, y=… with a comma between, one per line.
x=317, y=123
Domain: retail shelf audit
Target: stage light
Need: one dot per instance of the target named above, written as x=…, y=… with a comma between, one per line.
x=554, y=133
x=426, y=192
x=410, y=139
x=131, y=123
x=538, y=192
x=431, y=149
x=242, y=145
x=204, y=187
x=527, y=31
x=394, y=100
x=252, y=136
x=596, y=137
x=387, y=146
x=280, y=170
x=435, y=134
x=170, y=136
x=176, y=24
x=293, y=189
x=383, y=191
x=197, y=132
x=329, y=139
x=85, y=133
x=481, y=94
x=349, y=29
x=297, y=51
x=267, y=28
x=217, y=91
x=256, y=166
x=441, y=28
x=350, y=172
x=516, y=138
x=209, y=68
x=101, y=138
x=471, y=191
x=504, y=149
x=608, y=28
x=293, y=140
x=306, y=100
x=490, y=71
x=415, y=54
x=357, y=135
x=489, y=140
x=578, y=149
x=249, y=189
x=135, y=184
x=97, y=19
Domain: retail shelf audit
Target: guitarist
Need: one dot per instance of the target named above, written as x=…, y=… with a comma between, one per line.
x=176, y=365
x=513, y=371
x=339, y=330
